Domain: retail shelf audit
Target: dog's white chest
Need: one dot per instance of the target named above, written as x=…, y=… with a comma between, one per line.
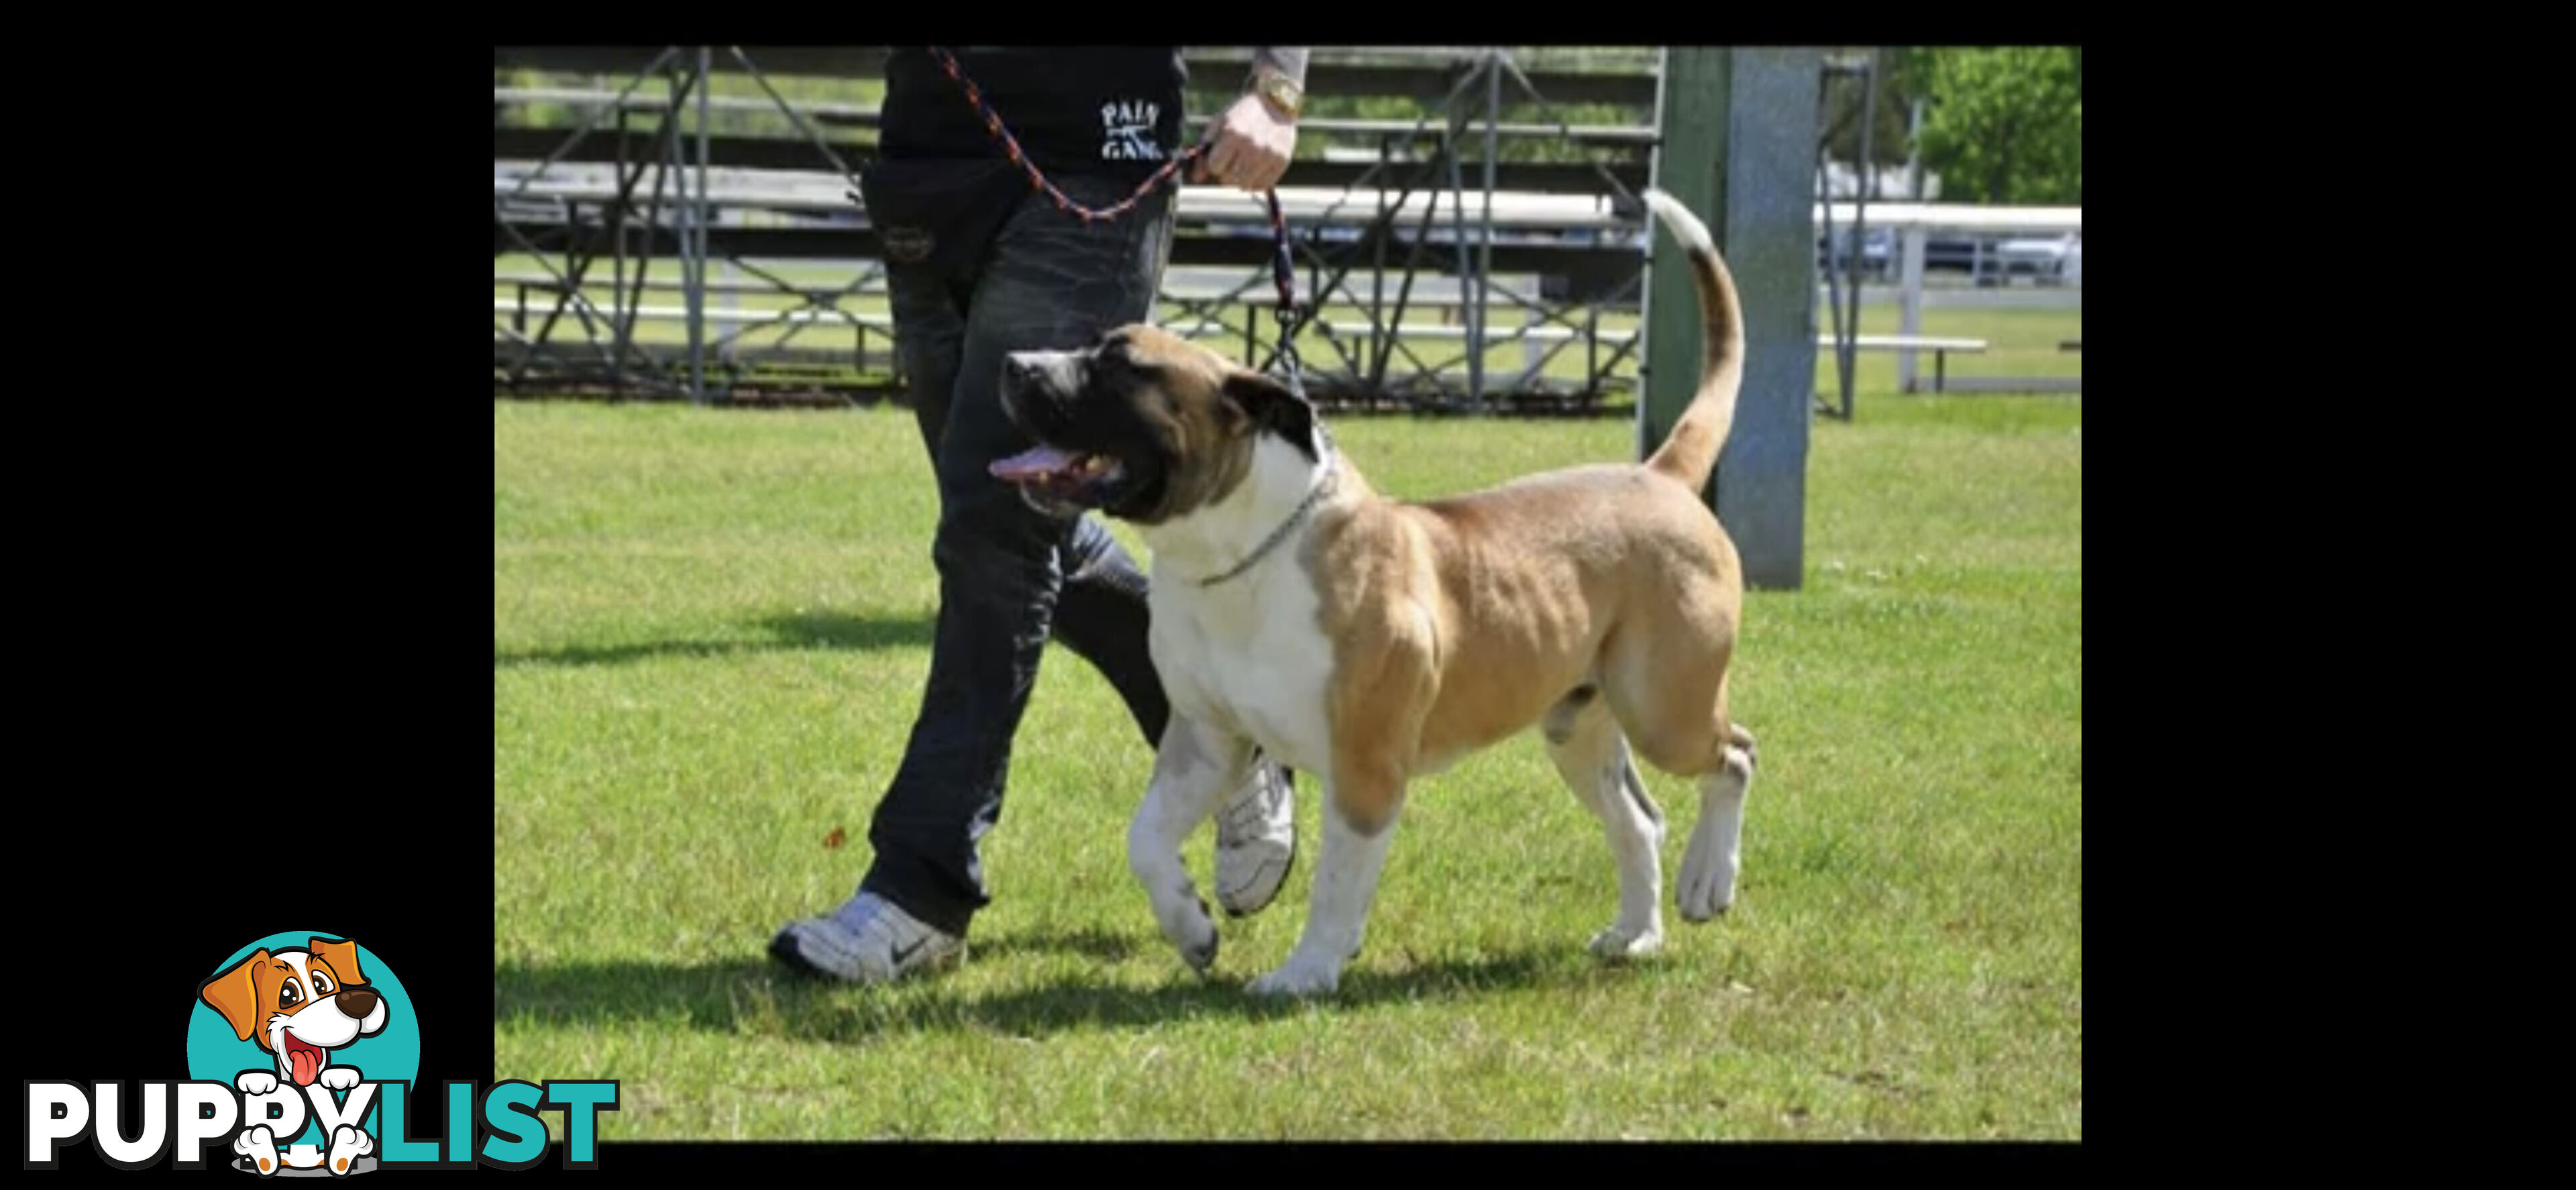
x=1248, y=656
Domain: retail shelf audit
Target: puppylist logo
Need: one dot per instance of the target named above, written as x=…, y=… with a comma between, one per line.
x=302, y=1051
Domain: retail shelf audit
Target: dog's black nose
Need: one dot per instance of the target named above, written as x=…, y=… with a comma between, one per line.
x=356, y=1002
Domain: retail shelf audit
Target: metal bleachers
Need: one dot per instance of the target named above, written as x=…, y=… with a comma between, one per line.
x=657, y=185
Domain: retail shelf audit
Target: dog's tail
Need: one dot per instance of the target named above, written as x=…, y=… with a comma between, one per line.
x=1689, y=452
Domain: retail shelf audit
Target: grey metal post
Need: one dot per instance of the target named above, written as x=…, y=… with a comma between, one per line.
x=684, y=207
x=1837, y=260
x=698, y=274
x=618, y=302
x=1485, y=265
x=1683, y=81
x=1380, y=230
x=1834, y=262
x=1909, y=309
x=1466, y=261
x=1914, y=148
x=1737, y=142
x=1868, y=173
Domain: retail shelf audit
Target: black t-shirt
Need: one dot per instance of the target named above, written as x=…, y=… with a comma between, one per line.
x=1074, y=109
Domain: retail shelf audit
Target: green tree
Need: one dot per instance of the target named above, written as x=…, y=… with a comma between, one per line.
x=2005, y=125
x=1888, y=124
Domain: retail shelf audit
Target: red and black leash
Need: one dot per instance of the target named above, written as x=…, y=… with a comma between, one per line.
x=1283, y=267
x=1037, y=180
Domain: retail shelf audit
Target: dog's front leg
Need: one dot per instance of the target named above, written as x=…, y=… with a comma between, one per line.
x=1359, y=823
x=1196, y=764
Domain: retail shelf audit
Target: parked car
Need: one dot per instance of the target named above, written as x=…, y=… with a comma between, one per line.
x=1955, y=253
x=1877, y=250
x=2046, y=260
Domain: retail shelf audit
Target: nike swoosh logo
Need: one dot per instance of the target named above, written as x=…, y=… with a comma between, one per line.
x=905, y=952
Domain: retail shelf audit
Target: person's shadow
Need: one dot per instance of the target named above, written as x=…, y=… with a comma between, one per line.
x=759, y=995
x=785, y=632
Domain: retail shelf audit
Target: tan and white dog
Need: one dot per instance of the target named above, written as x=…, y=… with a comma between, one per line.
x=299, y=1005
x=1373, y=640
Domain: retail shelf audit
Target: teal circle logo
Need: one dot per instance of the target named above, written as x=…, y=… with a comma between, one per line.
x=305, y=975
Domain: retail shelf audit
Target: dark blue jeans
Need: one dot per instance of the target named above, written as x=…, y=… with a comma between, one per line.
x=1008, y=576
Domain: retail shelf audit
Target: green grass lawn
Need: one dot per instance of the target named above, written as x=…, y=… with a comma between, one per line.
x=709, y=631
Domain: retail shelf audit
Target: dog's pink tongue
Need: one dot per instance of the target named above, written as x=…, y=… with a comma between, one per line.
x=1031, y=464
x=307, y=1065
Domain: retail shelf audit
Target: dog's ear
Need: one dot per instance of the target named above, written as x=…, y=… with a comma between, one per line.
x=235, y=994
x=1268, y=404
x=342, y=955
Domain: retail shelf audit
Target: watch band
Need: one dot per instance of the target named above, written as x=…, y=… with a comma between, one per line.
x=1282, y=91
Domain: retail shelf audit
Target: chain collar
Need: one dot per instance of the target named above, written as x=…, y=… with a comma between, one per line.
x=1332, y=471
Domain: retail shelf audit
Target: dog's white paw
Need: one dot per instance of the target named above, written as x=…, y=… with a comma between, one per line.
x=1188, y=926
x=340, y=1078
x=1298, y=977
x=347, y=1145
x=1614, y=944
x=1707, y=884
x=259, y=1144
x=256, y=1082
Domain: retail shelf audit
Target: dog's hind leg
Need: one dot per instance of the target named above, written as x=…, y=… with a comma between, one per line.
x=1671, y=698
x=1710, y=865
x=1592, y=756
x=1193, y=768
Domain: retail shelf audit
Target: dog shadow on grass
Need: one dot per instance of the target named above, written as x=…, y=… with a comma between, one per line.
x=757, y=996
x=786, y=632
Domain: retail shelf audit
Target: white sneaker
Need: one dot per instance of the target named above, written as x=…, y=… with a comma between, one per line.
x=1256, y=840
x=867, y=940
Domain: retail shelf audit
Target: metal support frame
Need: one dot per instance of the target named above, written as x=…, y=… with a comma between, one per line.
x=1361, y=368
x=1846, y=269
x=620, y=363
x=580, y=251
x=1374, y=365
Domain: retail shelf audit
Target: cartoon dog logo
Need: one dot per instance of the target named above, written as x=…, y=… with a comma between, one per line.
x=299, y=1004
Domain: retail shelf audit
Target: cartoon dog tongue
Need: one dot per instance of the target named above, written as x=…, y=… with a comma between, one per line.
x=306, y=1059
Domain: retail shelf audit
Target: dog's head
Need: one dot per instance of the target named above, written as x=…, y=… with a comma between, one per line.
x=1142, y=425
x=298, y=1004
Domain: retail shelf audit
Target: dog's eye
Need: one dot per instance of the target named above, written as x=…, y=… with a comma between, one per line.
x=321, y=984
x=288, y=995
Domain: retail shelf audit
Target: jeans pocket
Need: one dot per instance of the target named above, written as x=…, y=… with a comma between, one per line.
x=939, y=215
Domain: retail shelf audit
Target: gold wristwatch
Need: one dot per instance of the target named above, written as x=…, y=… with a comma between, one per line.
x=1281, y=90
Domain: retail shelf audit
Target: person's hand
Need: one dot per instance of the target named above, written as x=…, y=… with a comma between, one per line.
x=1250, y=148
